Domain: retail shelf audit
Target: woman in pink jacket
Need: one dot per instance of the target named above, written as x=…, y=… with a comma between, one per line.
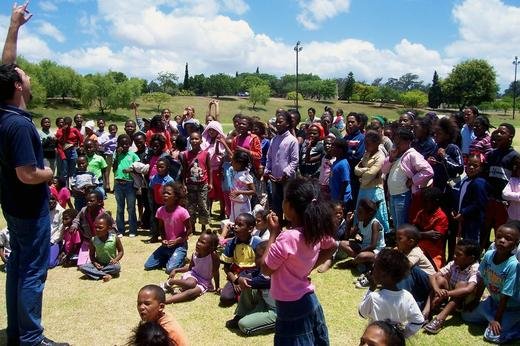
x=407, y=172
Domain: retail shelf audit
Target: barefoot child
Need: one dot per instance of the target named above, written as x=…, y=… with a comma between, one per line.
x=389, y=302
x=498, y=272
x=150, y=305
x=174, y=227
x=198, y=275
x=454, y=283
x=105, y=251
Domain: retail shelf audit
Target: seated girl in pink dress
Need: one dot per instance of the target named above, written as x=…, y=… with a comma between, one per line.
x=198, y=274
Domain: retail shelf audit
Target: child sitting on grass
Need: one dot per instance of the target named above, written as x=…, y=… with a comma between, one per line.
x=389, y=302
x=261, y=224
x=382, y=333
x=105, y=251
x=150, y=305
x=498, y=272
x=71, y=239
x=433, y=224
x=198, y=274
x=370, y=230
x=454, y=283
x=341, y=233
x=238, y=256
x=256, y=310
x=174, y=228
x=84, y=223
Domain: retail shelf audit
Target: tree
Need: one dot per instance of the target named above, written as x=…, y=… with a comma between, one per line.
x=512, y=90
x=470, y=82
x=435, y=92
x=250, y=81
x=219, y=84
x=386, y=94
x=259, y=94
x=168, y=82
x=257, y=70
x=157, y=98
x=364, y=91
x=377, y=82
x=414, y=99
x=292, y=96
x=348, y=89
x=59, y=81
x=198, y=84
x=186, y=83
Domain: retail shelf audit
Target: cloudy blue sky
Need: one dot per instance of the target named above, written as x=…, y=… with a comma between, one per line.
x=372, y=38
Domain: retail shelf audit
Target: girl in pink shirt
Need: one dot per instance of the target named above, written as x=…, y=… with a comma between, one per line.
x=175, y=227
x=291, y=256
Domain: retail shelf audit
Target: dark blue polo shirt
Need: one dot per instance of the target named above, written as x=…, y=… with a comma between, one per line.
x=20, y=145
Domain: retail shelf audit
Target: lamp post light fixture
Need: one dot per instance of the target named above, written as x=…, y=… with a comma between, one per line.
x=298, y=48
x=514, y=86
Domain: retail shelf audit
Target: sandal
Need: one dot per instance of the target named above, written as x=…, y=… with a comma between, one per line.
x=434, y=326
x=363, y=283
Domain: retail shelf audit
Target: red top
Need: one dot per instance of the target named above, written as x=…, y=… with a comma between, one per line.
x=250, y=142
x=437, y=221
x=67, y=139
x=166, y=135
x=196, y=168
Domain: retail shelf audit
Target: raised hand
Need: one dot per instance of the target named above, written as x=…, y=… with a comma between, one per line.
x=20, y=14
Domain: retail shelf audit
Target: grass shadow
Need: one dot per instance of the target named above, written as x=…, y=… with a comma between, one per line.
x=227, y=98
x=257, y=109
x=106, y=116
x=326, y=102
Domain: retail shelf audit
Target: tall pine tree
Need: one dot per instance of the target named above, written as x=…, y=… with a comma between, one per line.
x=186, y=83
x=348, y=89
x=435, y=92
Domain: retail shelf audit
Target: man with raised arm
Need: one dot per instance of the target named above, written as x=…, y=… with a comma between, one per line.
x=24, y=196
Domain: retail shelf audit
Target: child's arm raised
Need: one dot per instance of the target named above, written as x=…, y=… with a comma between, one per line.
x=120, y=252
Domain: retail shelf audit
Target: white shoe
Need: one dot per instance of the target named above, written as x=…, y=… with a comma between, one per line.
x=120, y=235
x=132, y=235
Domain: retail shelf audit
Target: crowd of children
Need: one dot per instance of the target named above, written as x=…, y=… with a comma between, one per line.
x=402, y=193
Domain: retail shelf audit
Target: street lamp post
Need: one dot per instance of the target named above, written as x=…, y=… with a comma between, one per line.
x=514, y=86
x=298, y=48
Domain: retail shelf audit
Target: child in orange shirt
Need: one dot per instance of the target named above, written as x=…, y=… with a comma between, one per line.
x=150, y=305
x=433, y=224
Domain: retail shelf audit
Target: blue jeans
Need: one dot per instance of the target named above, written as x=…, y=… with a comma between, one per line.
x=399, y=206
x=67, y=167
x=124, y=192
x=301, y=322
x=26, y=274
x=171, y=257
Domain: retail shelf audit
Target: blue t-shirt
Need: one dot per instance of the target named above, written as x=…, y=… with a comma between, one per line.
x=500, y=278
x=20, y=145
x=340, y=173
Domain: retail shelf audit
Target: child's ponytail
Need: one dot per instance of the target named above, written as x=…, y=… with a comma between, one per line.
x=317, y=216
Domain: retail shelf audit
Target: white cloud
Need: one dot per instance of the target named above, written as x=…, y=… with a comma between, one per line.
x=47, y=29
x=48, y=6
x=235, y=6
x=30, y=45
x=314, y=12
x=488, y=29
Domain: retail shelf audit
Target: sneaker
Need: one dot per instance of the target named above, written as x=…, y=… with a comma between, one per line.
x=49, y=342
x=165, y=287
x=363, y=283
x=233, y=323
x=359, y=278
x=434, y=326
x=120, y=235
x=132, y=235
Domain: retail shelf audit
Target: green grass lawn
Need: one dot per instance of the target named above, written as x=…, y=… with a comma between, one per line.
x=84, y=312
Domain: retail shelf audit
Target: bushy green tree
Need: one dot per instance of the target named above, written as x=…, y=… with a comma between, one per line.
x=470, y=82
x=414, y=99
x=365, y=92
x=219, y=85
x=259, y=94
x=158, y=98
